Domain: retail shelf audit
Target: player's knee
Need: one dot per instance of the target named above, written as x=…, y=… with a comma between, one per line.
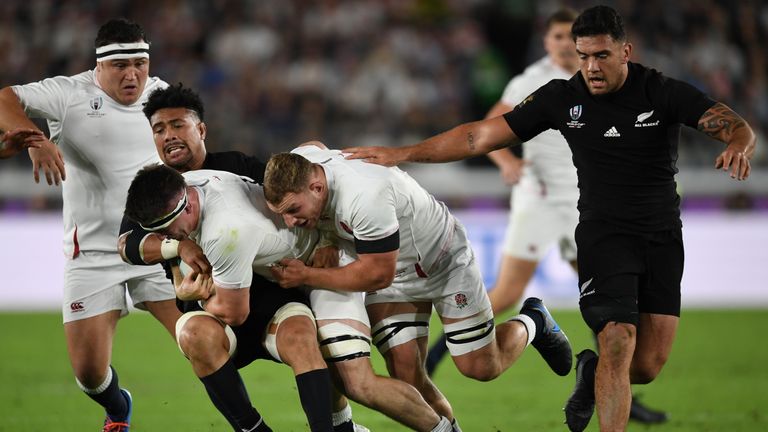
x=89, y=375
x=646, y=368
x=361, y=389
x=617, y=340
x=201, y=335
x=295, y=337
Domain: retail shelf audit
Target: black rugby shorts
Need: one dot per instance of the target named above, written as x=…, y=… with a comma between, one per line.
x=623, y=274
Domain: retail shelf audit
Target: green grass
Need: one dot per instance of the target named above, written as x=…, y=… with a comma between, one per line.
x=716, y=380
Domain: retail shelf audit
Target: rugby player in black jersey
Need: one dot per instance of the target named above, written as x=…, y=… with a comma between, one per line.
x=622, y=121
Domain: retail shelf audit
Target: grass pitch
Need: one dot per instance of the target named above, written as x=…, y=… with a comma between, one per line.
x=716, y=380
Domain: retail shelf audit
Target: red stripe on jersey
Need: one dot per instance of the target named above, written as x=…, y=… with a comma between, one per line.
x=76, y=252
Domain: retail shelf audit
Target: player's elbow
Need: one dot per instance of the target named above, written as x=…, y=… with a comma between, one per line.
x=381, y=278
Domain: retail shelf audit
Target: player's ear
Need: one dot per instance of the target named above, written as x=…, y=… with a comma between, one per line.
x=202, y=129
x=626, y=52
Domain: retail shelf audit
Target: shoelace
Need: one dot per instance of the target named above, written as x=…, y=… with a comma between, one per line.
x=114, y=427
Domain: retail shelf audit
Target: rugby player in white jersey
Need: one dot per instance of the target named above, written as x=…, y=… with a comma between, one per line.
x=227, y=217
x=97, y=125
x=412, y=254
x=543, y=201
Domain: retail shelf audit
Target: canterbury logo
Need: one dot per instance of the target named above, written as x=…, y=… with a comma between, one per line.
x=612, y=132
x=76, y=307
x=644, y=116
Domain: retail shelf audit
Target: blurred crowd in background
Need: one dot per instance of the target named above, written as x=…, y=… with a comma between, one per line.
x=274, y=73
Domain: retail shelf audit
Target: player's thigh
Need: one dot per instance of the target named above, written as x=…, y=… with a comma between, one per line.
x=660, y=288
x=514, y=275
x=89, y=342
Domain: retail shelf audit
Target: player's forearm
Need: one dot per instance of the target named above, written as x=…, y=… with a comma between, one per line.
x=462, y=142
x=724, y=124
x=229, y=305
x=12, y=114
x=351, y=278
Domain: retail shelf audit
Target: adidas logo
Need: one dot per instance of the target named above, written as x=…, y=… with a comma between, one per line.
x=612, y=132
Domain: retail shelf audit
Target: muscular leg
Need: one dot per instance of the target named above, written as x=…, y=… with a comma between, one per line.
x=490, y=361
x=406, y=361
x=655, y=335
x=205, y=343
x=89, y=343
x=393, y=398
x=612, y=391
x=296, y=340
x=166, y=312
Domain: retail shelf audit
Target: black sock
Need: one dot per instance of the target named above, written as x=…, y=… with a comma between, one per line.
x=538, y=319
x=228, y=394
x=111, y=398
x=436, y=353
x=589, y=373
x=347, y=426
x=315, y=394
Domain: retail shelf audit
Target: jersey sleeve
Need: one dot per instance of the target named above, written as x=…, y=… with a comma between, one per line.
x=532, y=116
x=685, y=103
x=374, y=221
x=45, y=99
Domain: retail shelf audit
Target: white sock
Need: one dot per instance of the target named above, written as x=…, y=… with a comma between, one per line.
x=343, y=416
x=530, y=326
x=443, y=426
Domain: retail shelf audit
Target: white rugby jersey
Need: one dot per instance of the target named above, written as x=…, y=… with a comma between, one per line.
x=237, y=231
x=371, y=202
x=550, y=170
x=103, y=144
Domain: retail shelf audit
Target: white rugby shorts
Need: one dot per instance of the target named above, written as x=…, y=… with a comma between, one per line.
x=454, y=285
x=536, y=224
x=96, y=283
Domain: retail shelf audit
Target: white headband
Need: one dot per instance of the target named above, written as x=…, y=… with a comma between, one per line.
x=122, y=51
x=165, y=221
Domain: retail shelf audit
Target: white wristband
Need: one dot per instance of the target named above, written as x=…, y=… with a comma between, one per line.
x=169, y=249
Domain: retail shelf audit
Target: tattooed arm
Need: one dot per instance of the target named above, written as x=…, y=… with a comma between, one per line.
x=723, y=124
x=464, y=141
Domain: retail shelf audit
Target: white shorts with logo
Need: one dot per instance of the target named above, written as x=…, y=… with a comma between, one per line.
x=454, y=286
x=536, y=224
x=96, y=283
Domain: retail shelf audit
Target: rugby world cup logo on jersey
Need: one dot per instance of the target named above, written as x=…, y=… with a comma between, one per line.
x=575, y=113
x=96, y=103
x=640, y=122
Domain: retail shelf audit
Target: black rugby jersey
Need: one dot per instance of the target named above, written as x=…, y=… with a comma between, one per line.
x=624, y=143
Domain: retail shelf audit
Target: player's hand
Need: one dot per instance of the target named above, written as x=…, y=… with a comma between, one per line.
x=289, y=273
x=387, y=156
x=14, y=141
x=736, y=159
x=48, y=158
x=193, y=256
x=195, y=286
x=513, y=170
x=326, y=257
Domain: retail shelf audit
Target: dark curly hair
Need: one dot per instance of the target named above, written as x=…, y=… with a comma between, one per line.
x=175, y=96
x=599, y=20
x=152, y=193
x=119, y=30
